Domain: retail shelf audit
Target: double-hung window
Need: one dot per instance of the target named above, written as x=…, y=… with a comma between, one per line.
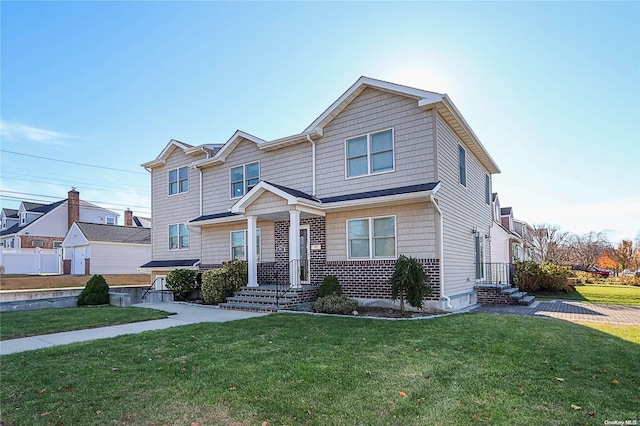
x=372, y=238
x=178, y=236
x=369, y=154
x=462, y=161
x=478, y=245
x=178, y=180
x=239, y=244
x=244, y=178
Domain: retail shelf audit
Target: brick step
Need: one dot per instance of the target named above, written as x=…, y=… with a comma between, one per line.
x=265, y=293
x=526, y=300
x=251, y=307
x=239, y=298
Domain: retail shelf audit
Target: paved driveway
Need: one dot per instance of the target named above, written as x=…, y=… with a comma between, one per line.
x=571, y=311
x=185, y=314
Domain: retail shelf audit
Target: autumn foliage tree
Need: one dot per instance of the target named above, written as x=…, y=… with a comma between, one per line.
x=623, y=255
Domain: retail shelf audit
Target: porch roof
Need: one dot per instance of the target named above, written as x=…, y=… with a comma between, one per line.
x=171, y=263
x=432, y=186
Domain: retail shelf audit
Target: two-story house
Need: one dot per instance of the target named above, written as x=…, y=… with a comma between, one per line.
x=46, y=225
x=506, y=244
x=386, y=170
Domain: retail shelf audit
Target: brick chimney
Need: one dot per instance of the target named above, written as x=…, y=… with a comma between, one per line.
x=73, y=207
x=128, y=218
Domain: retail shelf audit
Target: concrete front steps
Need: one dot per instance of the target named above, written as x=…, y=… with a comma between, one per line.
x=269, y=298
x=492, y=294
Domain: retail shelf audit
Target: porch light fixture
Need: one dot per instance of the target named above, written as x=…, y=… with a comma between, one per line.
x=474, y=231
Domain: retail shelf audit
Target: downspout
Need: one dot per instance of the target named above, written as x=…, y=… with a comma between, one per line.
x=313, y=165
x=448, y=304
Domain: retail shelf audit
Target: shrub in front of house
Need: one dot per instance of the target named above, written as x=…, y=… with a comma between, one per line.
x=329, y=286
x=182, y=282
x=220, y=283
x=409, y=282
x=335, y=304
x=546, y=276
x=96, y=292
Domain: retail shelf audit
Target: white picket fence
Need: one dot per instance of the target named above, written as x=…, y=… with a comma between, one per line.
x=31, y=261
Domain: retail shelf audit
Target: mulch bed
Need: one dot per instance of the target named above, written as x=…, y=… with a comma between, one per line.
x=372, y=311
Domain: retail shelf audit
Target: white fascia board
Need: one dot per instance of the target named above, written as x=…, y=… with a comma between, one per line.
x=153, y=163
x=290, y=140
x=260, y=188
x=389, y=199
x=492, y=167
x=105, y=243
x=230, y=144
x=359, y=86
x=217, y=221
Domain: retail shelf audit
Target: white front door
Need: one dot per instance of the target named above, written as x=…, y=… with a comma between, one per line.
x=305, y=261
x=78, y=261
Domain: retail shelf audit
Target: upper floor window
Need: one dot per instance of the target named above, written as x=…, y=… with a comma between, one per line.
x=23, y=218
x=369, y=154
x=239, y=244
x=178, y=180
x=462, y=160
x=244, y=178
x=4, y=223
x=372, y=238
x=178, y=236
x=487, y=189
x=111, y=220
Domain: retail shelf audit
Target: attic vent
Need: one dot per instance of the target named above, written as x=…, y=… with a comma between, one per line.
x=37, y=243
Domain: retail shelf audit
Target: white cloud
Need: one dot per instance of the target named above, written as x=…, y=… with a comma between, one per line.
x=17, y=131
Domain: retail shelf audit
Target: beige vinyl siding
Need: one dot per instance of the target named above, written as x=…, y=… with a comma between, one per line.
x=216, y=241
x=375, y=110
x=290, y=167
x=178, y=208
x=267, y=203
x=112, y=258
x=463, y=208
x=415, y=229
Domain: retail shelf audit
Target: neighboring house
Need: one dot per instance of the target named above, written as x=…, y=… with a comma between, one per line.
x=91, y=248
x=526, y=231
x=45, y=225
x=506, y=244
x=386, y=170
x=137, y=221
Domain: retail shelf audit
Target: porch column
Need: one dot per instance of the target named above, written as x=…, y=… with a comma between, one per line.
x=252, y=255
x=294, y=248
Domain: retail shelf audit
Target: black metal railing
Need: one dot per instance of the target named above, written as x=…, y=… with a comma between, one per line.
x=277, y=275
x=144, y=295
x=494, y=273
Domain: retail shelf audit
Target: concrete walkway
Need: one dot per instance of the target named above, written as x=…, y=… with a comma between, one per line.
x=573, y=311
x=185, y=314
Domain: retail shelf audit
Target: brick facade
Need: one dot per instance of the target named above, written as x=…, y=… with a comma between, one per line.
x=493, y=295
x=32, y=241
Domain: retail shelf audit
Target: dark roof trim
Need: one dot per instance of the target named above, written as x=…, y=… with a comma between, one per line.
x=381, y=193
x=214, y=216
x=505, y=210
x=294, y=192
x=171, y=263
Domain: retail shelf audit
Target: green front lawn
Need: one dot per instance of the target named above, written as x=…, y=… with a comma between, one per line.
x=298, y=369
x=597, y=293
x=45, y=321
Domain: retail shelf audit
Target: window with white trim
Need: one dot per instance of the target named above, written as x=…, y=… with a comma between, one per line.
x=372, y=238
x=239, y=244
x=478, y=244
x=57, y=244
x=462, y=163
x=244, y=178
x=23, y=218
x=178, y=180
x=370, y=154
x=178, y=236
x=111, y=220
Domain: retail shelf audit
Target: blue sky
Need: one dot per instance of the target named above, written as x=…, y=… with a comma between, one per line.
x=551, y=89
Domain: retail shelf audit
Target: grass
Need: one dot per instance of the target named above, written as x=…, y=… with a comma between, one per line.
x=630, y=333
x=298, y=369
x=597, y=293
x=45, y=321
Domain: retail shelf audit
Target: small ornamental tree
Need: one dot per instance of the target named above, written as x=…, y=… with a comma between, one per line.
x=182, y=282
x=329, y=286
x=220, y=283
x=409, y=282
x=96, y=292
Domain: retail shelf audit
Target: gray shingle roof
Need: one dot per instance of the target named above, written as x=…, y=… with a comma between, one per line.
x=115, y=233
x=12, y=213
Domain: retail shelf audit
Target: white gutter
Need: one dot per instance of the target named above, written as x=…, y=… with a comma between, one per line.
x=313, y=165
x=441, y=253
